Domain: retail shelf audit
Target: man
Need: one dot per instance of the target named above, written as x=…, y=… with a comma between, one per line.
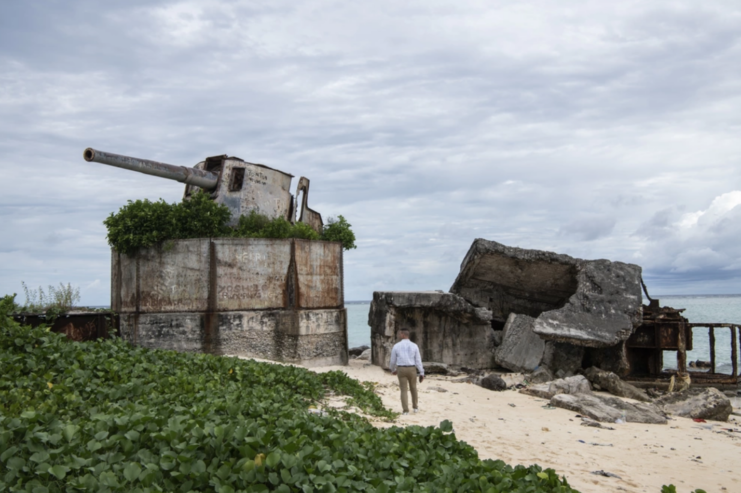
x=406, y=361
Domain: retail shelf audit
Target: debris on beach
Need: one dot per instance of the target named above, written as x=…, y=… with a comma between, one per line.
x=709, y=404
x=606, y=474
x=607, y=380
x=577, y=384
x=610, y=409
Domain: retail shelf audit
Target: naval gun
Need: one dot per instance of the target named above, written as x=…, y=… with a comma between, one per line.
x=231, y=181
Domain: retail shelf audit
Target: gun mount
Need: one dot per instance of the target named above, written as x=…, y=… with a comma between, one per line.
x=239, y=185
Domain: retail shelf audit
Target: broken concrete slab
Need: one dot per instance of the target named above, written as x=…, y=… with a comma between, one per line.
x=609, y=409
x=707, y=403
x=445, y=327
x=563, y=357
x=521, y=349
x=594, y=303
x=577, y=384
x=607, y=380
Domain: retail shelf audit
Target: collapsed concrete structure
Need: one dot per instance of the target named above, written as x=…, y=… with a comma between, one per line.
x=519, y=309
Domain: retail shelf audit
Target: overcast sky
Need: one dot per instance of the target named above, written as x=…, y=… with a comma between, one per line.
x=596, y=129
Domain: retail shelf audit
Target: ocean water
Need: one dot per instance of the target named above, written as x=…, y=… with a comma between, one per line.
x=719, y=309
x=358, y=330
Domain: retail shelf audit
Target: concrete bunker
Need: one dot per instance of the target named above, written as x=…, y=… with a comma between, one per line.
x=278, y=299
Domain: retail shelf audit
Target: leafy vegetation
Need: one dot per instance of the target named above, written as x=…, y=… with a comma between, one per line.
x=52, y=302
x=106, y=416
x=673, y=489
x=142, y=223
x=339, y=230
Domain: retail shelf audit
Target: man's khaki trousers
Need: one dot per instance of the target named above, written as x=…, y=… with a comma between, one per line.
x=407, y=379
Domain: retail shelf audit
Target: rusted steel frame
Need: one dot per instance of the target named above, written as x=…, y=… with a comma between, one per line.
x=702, y=324
x=682, y=348
x=734, y=351
x=192, y=176
x=711, y=335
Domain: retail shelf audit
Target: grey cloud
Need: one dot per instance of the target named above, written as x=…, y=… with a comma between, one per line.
x=588, y=228
x=500, y=120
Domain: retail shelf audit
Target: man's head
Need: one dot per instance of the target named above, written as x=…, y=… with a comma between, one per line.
x=403, y=333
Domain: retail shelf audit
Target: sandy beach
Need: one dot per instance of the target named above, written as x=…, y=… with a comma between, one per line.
x=518, y=429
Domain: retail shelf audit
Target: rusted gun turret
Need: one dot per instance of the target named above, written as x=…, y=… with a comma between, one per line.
x=239, y=185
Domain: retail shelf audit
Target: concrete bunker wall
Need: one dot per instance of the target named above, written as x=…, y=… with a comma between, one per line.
x=278, y=299
x=444, y=326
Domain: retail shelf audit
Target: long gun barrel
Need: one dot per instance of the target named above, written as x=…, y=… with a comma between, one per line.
x=192, y=176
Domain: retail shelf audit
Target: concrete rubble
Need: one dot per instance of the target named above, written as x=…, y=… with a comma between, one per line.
x=708, y=403
x=518, y=309
x=606, y=380
x=609, y=409
x=570, y=385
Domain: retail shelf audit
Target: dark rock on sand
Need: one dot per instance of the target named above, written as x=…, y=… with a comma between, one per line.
x=493, y=382
x=357, y=351
x=434, y=368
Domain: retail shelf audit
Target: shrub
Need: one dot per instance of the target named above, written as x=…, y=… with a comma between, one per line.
x=143, y=224
x=339, y=230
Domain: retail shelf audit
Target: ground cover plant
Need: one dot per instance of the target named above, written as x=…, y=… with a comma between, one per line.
x=143, y=223
x=106, y=416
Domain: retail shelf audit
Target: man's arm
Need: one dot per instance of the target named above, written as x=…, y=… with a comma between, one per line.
x=392, y=362
x=418, y=362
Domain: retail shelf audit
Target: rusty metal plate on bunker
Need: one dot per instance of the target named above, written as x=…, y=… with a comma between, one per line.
x=171, y=276
x=251, y=273
x=319, y=270
x=266, y=190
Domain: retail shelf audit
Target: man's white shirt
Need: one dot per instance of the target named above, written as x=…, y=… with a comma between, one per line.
x=406, y=353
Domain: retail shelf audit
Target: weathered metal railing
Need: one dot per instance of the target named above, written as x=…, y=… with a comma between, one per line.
x=665, y=329
x=712, y=376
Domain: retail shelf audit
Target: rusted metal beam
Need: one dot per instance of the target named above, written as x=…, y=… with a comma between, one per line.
x=192, y=176
x=682, y=349
x=711, y=335
x=734, y=351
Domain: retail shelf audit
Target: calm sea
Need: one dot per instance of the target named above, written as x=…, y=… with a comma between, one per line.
x=716, y=308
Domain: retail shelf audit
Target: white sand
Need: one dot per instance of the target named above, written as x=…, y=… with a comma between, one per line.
x=517, y=429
